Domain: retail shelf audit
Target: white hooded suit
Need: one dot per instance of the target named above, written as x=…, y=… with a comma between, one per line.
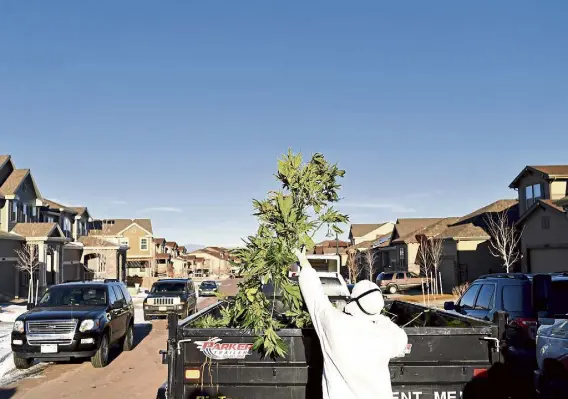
x=357, y=344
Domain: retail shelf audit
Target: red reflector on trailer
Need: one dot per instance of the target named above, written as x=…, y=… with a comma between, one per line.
x=479, y=373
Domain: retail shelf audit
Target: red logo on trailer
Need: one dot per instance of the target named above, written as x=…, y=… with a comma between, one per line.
x=214, y=349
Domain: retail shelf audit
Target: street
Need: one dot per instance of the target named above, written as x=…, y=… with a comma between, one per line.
x=135, y=374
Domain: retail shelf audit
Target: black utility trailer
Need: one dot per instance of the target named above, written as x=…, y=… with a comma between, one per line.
x=449, y=357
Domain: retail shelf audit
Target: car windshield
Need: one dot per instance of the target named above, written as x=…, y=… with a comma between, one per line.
x=169, y=288
x=385, y=276
x=74, y=296
x=208, y=284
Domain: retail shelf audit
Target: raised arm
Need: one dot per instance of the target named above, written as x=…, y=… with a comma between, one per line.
x=312, y=290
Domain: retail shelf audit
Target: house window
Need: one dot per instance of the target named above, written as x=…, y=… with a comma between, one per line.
x=143, y=244
x=545, y=222
x=14, y=212
x=401, y=252
x=533, y=194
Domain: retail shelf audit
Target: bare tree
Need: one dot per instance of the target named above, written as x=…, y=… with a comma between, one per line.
x=353, y=265
x=436, y=249
x=28, y=261
x=505, y=239
x=370, y=257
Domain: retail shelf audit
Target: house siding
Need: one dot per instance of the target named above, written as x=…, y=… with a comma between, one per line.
x=134, y=235
x=535, y=236
x=558, y=190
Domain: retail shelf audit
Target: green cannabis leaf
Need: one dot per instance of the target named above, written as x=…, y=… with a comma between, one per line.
x=288, y=218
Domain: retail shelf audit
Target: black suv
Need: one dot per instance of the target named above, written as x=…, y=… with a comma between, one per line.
x=510, y=293
x=75, y=320
x=172, y=295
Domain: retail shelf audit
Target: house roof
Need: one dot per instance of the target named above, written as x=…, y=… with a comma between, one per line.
x=182, y=248
x=474, y=224
x=4, y=159
x=115, y=226
x=364, y=244
x=160, y=241
x=89, y=241
x=34, y=229
x=57, y=206
x=360, y=230
x=547, y=172
x=171, y=244
x=554, y=205
x=406, y=228
x=14, y=181
x=79, y=210
x=163, y=256
x=333, y=244
x=11, y=236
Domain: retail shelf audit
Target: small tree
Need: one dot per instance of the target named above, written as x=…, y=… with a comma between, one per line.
x=28, y=261
x=353, y=265
x=505, y=239
x=370, y=258
x=436, y=249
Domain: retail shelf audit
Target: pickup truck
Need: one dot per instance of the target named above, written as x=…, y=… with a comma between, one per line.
x=448, y=356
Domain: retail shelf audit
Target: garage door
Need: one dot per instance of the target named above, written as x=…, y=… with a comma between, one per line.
x=548, y=260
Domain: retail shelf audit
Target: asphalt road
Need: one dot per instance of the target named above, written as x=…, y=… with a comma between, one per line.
x=135, y=374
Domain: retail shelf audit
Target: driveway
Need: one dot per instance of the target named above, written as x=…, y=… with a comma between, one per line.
x=135, y=374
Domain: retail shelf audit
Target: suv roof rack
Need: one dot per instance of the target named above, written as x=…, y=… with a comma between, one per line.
x=516, y=276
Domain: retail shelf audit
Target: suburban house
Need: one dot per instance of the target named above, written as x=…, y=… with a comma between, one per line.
x=163, y=259
x=104, y=259
x=543, y=202
x=364, y=235
x=212, y=260
x=134, y=234
x=20, y=199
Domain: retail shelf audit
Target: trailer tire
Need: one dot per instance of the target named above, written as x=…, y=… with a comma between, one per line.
x=392, y=289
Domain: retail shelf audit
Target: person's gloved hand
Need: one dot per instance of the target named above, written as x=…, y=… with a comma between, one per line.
x=304, y=262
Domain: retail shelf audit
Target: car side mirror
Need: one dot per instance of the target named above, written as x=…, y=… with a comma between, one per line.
x=450, y=305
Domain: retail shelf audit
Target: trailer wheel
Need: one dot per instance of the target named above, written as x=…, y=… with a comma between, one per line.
x=392, y=289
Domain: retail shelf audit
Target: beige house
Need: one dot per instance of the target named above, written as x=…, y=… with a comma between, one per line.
x=103, y=259
x=163, y=258
x=134, y=234
x=212, y=261
x=543, y=200
x=368, y=233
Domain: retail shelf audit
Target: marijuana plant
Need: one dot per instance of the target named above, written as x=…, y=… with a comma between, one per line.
x=288, y=219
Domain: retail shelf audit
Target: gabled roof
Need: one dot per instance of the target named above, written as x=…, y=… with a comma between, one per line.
x=333, y=244
x=474, y=224
x=52, y=205
x=4, y=159
x=171, y=244
x=405, y=229
x=14, y=181
x=163, y=256
x=113, y=227
x=37, y=229
x=79, y=210
x=89, y=241
x=546, y=171
x=360, y=230
x=160, y=241
x=543, y=204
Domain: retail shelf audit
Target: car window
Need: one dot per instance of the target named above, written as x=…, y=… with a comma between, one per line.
x=558, y=300
x=111, y=296
x=413, y=275
x=517, y=298
x=400, y=276
x=73, y=296
x=118, y=294
x=485, y=297
x=126, y=293
x=468, y=299
x=386, y=276
x=170, y=288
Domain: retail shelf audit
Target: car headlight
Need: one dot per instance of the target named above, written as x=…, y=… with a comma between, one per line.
x=18, y=326
x=87, y=325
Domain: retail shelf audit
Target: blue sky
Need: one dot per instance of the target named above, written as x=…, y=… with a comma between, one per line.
x=178, y=110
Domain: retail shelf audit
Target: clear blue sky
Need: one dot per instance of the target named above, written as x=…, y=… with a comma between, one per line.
x=178, y=110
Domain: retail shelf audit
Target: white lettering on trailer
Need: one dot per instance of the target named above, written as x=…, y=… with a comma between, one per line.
x=406, y=395
x=418, y=395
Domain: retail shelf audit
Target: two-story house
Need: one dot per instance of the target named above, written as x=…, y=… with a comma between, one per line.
x=20, y=225
x=543, y=201
x=212, y=261
x=163, y=258
x=134, y=234
x=363, y=235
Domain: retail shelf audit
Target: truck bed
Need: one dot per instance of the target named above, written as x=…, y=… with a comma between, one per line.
x=445, y=352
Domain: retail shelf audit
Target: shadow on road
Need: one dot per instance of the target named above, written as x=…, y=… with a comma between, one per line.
x=141, y=331
x=6, y=393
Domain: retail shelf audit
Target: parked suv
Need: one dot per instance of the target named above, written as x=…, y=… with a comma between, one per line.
x=75, y=320
x=393, y=282
x=171, y=296
x=510, y=293
x=208, y=288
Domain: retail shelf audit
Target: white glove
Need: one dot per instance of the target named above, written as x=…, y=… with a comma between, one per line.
x=304, y=262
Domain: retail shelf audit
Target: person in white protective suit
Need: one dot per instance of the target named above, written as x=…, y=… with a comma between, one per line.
x=357, y=343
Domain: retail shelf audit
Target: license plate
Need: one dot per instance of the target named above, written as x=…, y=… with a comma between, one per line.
x=162, y=308
x=52, y=348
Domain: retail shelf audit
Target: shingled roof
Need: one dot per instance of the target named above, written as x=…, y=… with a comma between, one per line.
x=160, y=241
x=89, y=241
x=406, y=229
x=114, y=226
x=79, y=210
x=58, y=207
x=34, y=229
x=546, y=171
x=14, y=181
x=360, y=230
